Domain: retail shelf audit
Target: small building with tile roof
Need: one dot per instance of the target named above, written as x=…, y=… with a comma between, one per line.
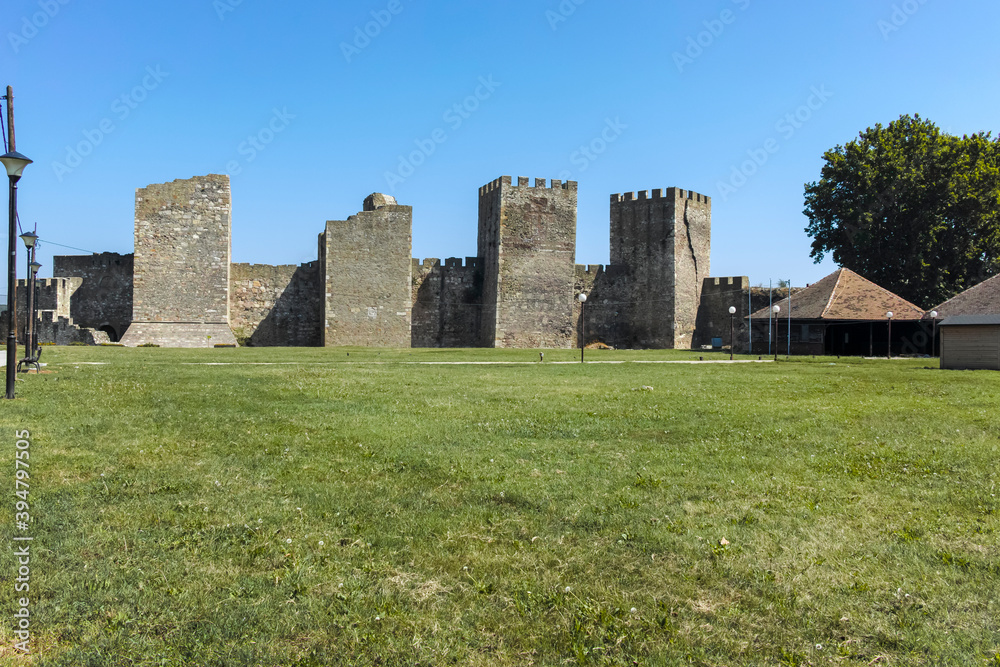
x=970, y=342
x=843, y=314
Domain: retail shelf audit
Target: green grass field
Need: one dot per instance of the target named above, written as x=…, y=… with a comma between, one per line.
x=306, y=507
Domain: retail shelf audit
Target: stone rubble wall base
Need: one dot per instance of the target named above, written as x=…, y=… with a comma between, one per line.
x=178, y=334
x=53, y=329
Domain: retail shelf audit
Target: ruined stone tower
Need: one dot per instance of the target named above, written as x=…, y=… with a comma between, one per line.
x=663, y=241
x=365, y=267
x=527, y=246
x=183, y=246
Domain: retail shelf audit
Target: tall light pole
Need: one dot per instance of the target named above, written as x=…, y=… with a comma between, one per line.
x=29, y=239
x=888, y=354
x=583, y=323
x=14, y=163
x=732, y=330
x=934, y=316
x=776, y=310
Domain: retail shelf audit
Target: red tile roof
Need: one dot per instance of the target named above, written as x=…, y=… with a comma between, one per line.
x=844, y=295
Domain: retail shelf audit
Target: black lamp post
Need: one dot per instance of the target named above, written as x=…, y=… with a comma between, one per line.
x=15, y=163
x=888, y=354
x=583, y=323
x=776, y=310
x=35, y=266
x=31, y=335
x=732, y=330
x=29, y=239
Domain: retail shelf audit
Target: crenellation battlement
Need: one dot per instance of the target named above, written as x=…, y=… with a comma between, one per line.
x=589, y=268
x=725, y=284
x=47, y=284
x=692, y=195
x=658, y=194
x=449, y=263
x=525, y=182
x=246, y=266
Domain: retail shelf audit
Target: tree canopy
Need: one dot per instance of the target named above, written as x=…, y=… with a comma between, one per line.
x=911, y=208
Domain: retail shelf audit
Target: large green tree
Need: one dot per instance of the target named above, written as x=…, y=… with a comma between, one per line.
x=911, y=208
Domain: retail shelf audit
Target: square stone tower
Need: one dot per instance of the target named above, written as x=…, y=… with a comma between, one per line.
x=365, y=267
x=183, y=248
x=664, y=242
x=527, y=243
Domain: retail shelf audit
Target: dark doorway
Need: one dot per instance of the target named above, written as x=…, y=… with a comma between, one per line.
x=110, y=330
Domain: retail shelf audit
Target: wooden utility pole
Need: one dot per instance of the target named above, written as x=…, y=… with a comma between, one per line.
x=10, y=119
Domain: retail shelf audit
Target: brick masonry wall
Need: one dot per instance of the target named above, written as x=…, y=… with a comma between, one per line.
x=663, y=241
x=276, y=305
x=365, y=264
x=104, y=298
x=182, y=251
x=446, y=302
x=527, y=239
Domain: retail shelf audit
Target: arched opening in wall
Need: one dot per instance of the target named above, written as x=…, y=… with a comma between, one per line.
x=110, y=330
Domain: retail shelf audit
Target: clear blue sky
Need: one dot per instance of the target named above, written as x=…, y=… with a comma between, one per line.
x=155, y=91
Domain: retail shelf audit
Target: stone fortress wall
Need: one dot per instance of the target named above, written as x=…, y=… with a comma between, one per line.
x=527, y=240
x=52, y=314
x=663, y=243
x=447, y=302
x=365, y=274
x=183, y=248
x=181, y=288
x=276, y=305
x=103, y=300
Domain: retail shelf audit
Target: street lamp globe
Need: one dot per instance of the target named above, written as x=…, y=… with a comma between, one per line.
x=732, y=310
x=29, y=238
x=15, y=163
x=889, y=314
x=34, y=267
x=934, y=314
x=776, y=309
x=582, y=298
